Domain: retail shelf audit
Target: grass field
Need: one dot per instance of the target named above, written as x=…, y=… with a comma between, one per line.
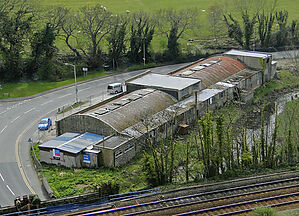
x=120, y=6
x=23, y=89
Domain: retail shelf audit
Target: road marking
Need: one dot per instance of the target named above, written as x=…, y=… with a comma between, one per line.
x=64, y=95
x=3, y=129
x=46, y=102
x=18, y=156
x=29, y=110
x=15, y=119
x=2, y=112
x=10, y=190
x=85, y=89
x=1, y=177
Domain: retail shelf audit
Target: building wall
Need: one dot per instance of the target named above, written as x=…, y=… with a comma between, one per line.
x=82, y=123
x=66, y=159
x=94, y=161
x=124, y=153
x=255, y=62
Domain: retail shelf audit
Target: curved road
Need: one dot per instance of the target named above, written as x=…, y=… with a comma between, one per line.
x=18, y=123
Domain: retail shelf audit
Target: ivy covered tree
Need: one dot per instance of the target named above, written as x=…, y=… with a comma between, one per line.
x=16, y=19
x=116, y=41
x=282, y=34
x=142, y=28
x=265, y=24
x=173, y=24
x=43, y=51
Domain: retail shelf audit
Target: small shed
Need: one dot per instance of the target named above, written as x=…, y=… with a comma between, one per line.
x=68, y=150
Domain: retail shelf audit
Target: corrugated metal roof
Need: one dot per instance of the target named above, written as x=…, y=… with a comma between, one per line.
x=72, y=142
x=220, y=67
x=163, y=81
x=247, y=53
x=53, y=143
x=147, y=103
x=207, y=93
x=114, y=141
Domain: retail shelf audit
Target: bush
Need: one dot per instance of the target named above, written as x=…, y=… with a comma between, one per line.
x=264, y=212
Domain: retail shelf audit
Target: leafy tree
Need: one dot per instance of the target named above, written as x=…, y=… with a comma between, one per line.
x=16, y=20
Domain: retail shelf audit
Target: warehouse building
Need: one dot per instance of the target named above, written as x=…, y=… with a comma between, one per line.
x=156, y=106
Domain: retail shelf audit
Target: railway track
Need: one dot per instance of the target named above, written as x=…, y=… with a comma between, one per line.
x=225, y=198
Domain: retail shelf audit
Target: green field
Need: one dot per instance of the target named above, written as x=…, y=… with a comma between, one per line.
x=120, y=6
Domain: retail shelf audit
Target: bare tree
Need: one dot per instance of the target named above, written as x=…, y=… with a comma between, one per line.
x=216, y=23
x=65, y=23
x=94, y=23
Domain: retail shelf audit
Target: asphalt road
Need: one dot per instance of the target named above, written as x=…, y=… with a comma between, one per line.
x=18, y=123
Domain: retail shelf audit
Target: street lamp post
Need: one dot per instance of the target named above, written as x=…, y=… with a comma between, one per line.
x=75, y=75
x=144, y=50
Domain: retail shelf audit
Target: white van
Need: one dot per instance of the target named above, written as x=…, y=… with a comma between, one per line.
x=114, y=88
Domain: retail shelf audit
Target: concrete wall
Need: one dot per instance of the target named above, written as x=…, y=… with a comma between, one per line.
x=66, y=159
x=255, y=62
x=127, y=153
x=83, y=123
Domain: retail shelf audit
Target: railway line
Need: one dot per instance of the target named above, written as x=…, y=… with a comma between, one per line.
x=280, y=190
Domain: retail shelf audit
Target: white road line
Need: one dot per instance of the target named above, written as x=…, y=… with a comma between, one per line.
x=3, y=129
x=64, y=95
x=85, y=89
x=15, y=119
x=10, y=190
x=46, y=102
x=30, y=110
x=1, y=177
x=2, y=112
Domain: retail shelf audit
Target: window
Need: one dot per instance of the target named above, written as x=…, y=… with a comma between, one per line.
x=195, y=87
x=129, y=147
x=221, y=95
x=185, y=92
x=118, y=153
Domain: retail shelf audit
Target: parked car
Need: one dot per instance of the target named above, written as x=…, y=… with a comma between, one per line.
x=44, y=124
x=114, y=88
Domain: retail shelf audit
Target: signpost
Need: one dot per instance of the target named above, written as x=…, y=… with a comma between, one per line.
x=85, y=69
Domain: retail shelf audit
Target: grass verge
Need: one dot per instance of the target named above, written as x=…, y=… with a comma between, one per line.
x=24, y=89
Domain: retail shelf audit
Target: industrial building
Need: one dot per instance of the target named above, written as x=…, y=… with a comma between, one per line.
x=155, y=106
